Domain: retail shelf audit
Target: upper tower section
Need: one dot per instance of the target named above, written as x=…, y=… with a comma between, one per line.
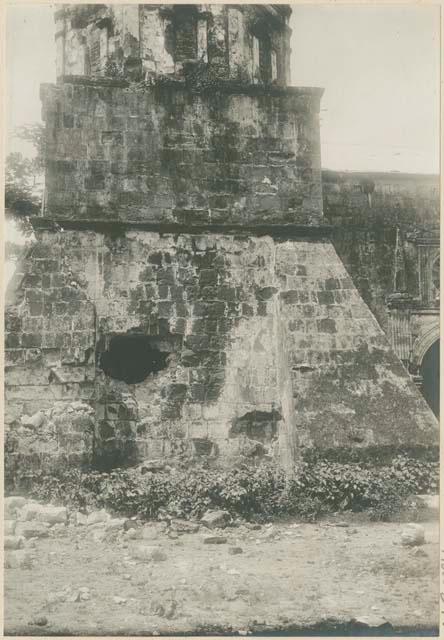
x=180, y=116
x=135, y=42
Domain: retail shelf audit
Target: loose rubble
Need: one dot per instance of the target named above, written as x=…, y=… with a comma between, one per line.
x=413, y=535
x=216, y=519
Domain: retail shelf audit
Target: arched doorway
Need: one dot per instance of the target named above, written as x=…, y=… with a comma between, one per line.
x=430, y=377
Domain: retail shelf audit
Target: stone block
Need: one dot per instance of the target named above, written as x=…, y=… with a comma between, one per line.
x=13, y=504
x=20, y=559
x=13, y=542
x=32, y=529
x=9, y=527
x=52, y=515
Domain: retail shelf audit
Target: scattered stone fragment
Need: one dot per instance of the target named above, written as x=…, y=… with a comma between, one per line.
x=98, y=516
x=148, y=553
x=184, y=526
x=215, y=540
x=216, y=519
x=28, y=511
x=80, y=519
x=39, y=621
x=413, y=535
x=233, y=551
x=32, y=529
x=9, y=527
x=12, y=503
x=18, y=559
x=115, y=524
x=131, y=523
x=233, y=572
x=119, y=600
x=35, y=421
x=372, y=622
x=151, y=466
x=133, y=534
x=14, y=542
x=253, y=526
x=52, y=515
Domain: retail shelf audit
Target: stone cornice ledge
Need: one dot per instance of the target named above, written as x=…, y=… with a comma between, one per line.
x=224, y=86
x=280, y=231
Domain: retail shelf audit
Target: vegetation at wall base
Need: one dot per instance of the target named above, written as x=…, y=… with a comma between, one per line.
x=254, y=493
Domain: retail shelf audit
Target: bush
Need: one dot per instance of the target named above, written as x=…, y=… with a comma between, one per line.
x=317, y=488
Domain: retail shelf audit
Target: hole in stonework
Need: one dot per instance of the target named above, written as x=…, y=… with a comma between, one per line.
x=131, y=358
x=256, y=425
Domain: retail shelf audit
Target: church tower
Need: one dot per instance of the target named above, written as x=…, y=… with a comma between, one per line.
x=183, y=299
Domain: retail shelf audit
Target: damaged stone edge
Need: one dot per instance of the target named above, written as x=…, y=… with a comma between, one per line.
x=228, y=86
x=322, y=231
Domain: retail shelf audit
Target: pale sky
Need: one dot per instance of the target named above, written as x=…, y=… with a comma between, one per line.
x=379, y=66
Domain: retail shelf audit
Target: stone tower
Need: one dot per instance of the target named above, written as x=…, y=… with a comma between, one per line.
x=183, y=298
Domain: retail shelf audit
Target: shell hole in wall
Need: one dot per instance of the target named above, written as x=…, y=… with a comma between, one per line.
x=132, y=358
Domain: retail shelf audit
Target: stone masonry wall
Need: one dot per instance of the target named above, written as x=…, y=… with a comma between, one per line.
x=265, y=345
x=377, y=219
x=166, y=154
x=140, y=41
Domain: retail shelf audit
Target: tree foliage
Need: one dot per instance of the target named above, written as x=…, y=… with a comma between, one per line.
x=24, y=177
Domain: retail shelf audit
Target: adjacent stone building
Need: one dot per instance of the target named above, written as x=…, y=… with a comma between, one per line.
x=184, y=298
x=386, y=232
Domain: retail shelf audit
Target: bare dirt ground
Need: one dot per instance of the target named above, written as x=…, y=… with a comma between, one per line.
x=288, y=578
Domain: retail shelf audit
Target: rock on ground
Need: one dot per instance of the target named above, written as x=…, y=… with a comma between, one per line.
x=9, y=527
x=13, y=542
x=32, y=529
x=413, y=535
x=52, y=515
x=216, y=519
x=18, y=559
x=215, y=540
x=14, y=503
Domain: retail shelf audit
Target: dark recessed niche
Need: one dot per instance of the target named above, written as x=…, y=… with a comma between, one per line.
x=131, y=358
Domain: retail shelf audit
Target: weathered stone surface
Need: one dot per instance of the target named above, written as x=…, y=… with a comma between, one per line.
x=234, y=551
x=216, y=519
x=9, y=527
x=372, y=622
x=52, y=515
x=80, y=519
x=32, y=529
x=115, y=524
x=18, y=559
x=13, y=503
x=215, y=168
x=229, y=400
x=193, y=306
x=413, y=535
x=185, y=526
x=13, y=542
x=29, y=511
x=97, y=517
x=215, y=540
